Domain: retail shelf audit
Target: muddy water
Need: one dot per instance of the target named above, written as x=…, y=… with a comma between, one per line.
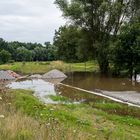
x=119, y=88
x=43, y=89
x=94, y=82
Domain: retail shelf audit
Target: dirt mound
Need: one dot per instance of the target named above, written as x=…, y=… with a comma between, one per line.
x=54, y=74
x=13, y=74
x=5, y=75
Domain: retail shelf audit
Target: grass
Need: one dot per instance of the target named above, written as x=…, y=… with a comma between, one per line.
x=43, y=67
x=59, y=98
x=26, y=118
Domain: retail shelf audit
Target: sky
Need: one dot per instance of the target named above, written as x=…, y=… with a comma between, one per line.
x=29, y=20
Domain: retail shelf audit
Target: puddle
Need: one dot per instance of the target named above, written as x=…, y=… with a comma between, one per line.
x=41, y=88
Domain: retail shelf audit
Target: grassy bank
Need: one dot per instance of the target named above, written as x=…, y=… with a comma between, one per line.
x=43, y=67
x=26, y=118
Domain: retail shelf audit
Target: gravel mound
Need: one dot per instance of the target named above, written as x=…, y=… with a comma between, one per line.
x=5, y=75
x=54, y=74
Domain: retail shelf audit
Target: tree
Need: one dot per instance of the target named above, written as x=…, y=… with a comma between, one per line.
x=40, y=53
x=127, y=50
x=5, y=56
x=24, y=54
x=102, y=19
x=84, y=50
x=66, y=41
x=51, y=51
x=3, y=45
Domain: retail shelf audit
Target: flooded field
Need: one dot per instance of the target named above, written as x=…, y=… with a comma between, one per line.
x=118, y=88
x=94, y=82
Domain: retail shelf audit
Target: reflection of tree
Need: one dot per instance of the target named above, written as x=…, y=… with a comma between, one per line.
x=90, y=81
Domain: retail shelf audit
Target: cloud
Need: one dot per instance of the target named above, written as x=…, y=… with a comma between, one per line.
x=29, y=20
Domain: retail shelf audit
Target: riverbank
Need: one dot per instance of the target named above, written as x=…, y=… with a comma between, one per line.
x=25, y=117
x=43, y=67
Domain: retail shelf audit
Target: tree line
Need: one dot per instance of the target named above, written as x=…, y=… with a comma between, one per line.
x=17, y=51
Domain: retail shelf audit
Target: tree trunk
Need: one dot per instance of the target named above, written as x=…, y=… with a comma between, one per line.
x=104, y=66
x=135, y=76
x=131, y=72
x=103, y=60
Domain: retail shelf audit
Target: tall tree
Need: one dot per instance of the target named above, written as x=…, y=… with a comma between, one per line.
x=66, y=41
x=101, y=18
x=127, y=50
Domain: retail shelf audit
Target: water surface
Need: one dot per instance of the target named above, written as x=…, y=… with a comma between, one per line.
x=94, y=82
x=41, y=88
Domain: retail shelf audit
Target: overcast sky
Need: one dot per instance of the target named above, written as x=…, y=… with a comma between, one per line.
x=29, y=20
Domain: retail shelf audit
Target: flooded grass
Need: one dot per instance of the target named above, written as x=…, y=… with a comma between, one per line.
x=25, y=117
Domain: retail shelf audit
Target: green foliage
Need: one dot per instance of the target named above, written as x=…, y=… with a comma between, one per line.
x=59, y=98
x=73, y=44
x=66, y=41
x=29, y=51
x=5, y=56
x=127, y=50
x=101, y=19
x=24, y=54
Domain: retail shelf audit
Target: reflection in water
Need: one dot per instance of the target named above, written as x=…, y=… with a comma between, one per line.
x=94, y=82
x=54, y=81
x=41, y=88
x=120, y=88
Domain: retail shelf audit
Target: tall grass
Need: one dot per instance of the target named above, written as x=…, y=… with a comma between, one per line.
x=15, y=125
x=26, y=118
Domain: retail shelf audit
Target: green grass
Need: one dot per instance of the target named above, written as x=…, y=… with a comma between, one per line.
x=43, y=67
x=60, y=98
x=71, y=121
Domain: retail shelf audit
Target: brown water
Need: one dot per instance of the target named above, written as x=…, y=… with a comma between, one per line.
x=43, y=89
x=119, y=88
x=94, y=82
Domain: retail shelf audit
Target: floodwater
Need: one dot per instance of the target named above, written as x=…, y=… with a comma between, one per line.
x=119, y=88
x=94, y=82
x=41, y=88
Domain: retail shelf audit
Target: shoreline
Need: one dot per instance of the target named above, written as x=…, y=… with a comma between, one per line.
x=109, y=95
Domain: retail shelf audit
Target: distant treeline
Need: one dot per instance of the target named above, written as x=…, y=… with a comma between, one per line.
x=17, y=51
